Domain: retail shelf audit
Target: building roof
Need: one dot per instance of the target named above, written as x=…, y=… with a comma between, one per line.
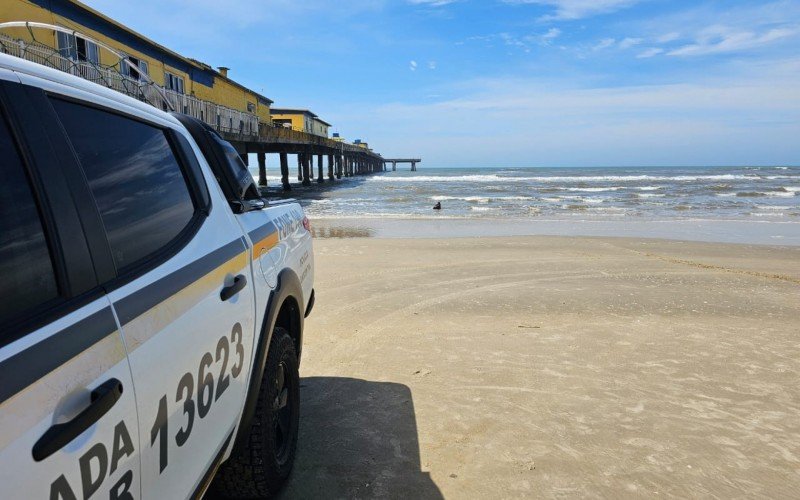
x=298, y=111
x=86, y=16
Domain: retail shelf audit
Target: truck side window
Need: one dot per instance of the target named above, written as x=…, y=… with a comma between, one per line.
x=139, y=187
x=27, y=278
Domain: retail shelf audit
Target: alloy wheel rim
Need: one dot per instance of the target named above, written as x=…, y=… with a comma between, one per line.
x=282, y=413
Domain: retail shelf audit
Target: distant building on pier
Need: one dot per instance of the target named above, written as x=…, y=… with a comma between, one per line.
x=302, y=120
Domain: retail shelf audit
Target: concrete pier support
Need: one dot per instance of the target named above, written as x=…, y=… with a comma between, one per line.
x=308, y=164
x=320, y=177
x=338, y=166
x=299, y=166
x=285, y=172
x=413, y=166
x=330, y=167
x=262, y=168
x=394, y=166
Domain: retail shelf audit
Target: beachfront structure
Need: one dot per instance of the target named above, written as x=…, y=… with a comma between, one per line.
x=300, y=119
x=71, y=37
x=188, y=84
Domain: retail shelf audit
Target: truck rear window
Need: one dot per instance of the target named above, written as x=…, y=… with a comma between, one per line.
x=137, y=182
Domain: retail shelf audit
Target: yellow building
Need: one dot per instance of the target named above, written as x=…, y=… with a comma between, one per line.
x=174, y=72
x=300, y=119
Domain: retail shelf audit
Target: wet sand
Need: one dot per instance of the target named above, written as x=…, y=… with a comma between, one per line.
x=550, y=367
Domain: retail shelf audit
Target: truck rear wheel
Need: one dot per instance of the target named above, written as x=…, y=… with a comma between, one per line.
x=266, y=460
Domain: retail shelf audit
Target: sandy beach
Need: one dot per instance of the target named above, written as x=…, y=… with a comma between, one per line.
x=550, y=367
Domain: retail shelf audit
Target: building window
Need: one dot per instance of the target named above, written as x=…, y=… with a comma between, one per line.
x=173, y=82
x=135, y=69
x=77, y=48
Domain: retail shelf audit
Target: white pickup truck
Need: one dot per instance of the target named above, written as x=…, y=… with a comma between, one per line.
x=151, y=303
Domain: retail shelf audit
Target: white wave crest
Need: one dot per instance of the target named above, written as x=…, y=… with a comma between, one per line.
x=569, y=179
x=595, y=190
x=480, y=199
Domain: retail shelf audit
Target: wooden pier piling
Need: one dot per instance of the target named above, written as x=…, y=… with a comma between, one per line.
x=285, y=172
x=262, y=169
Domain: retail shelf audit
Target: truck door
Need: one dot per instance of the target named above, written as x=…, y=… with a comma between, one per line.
x=182, y=290
x=68, y=426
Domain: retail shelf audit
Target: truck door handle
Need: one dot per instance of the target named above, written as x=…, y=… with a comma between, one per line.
x=227, y=292
x=103, y=398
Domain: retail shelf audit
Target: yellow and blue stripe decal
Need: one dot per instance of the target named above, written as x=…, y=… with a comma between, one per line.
x=264, y=238
x=138, y=313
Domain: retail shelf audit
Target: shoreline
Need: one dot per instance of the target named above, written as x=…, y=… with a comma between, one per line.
x=748, y=232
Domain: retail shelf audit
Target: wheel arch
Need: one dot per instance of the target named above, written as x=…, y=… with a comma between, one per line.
x=283, y=309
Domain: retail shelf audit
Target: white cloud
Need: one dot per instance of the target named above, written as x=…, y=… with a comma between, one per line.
x=578, y=9
x=551, y=34
x=720, y=39
x=629, y=42
x=431, y=65
x=647, y=53
x=604, y=44
x=668, y=37
x=412, y=65
x=522, y=42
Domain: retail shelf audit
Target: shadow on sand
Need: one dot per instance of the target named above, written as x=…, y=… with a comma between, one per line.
x=358, y=439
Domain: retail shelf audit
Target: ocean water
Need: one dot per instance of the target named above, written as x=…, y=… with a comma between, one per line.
x=771, y=193
x=613, y=197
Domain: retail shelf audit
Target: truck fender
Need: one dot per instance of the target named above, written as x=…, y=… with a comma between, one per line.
x=288, y=286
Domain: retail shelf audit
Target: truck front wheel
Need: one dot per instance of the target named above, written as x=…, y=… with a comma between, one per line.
x=266, y=460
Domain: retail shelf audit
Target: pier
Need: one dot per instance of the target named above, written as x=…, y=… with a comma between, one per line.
x=334, y=159
x=395, y=161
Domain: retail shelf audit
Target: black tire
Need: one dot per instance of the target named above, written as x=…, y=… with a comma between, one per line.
x=266, y=460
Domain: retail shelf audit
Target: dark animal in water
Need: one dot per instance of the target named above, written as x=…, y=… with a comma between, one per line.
x=438, y=206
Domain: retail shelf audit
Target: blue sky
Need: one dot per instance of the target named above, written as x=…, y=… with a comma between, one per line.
x=513, y=82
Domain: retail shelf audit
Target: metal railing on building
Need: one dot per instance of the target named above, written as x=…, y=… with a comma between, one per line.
x=220, y=117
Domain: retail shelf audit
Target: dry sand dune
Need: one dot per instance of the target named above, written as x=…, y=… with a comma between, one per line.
x=551, y=367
